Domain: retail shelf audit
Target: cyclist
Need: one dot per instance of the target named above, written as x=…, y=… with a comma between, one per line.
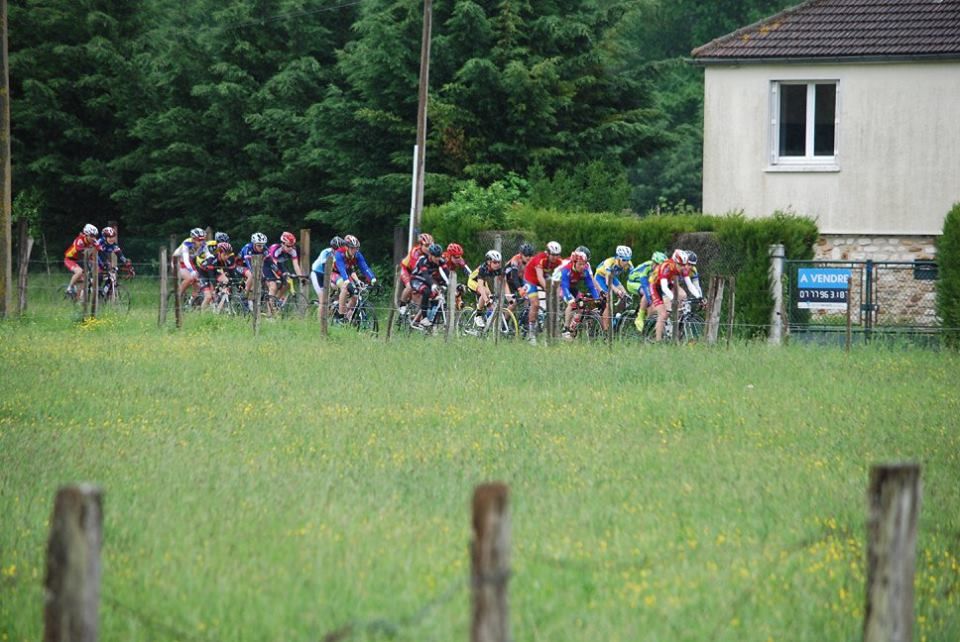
x=257, y=246
x=344, y=276
x=614, y=266
x=185, y=257
x=535, y=281
x=107, y=246
x=216, y=266
x=274, y=262
x=316, y=270
x=481, y=282
x=424, y=241
x=87, y=239
x=693, y=284
x=674, y=267
x=221, y=237
x=513, y=274
x=638, y=283
x=425, y=281
x=575, y=271
x=453, y=260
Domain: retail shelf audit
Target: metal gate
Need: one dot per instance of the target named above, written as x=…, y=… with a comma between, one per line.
x=883, y=299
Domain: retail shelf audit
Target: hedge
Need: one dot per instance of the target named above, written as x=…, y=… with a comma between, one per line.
x=948, y=281
x=744, y=243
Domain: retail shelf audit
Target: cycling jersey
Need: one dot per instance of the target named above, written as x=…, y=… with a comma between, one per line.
x=570, y=279
x=612, y=267
x=76, y=249
x=513, y=273
x=451, y=263
x=105, y=249
x=345, y=265
x=248, y=251
x=544, y=261
x=665, y=273
x=186, y=254
x=320, y=264
x=410, y=260
x=639, y=278
x=485, y=273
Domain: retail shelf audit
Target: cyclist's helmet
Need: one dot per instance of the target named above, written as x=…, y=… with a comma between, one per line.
x=658, y=257
x=493, y=255
x=221, y=237
x=624, y=253
x=584, y=249
x=691, y=258
x=108, y=232
x=578, y=256
x=526, y=249
x=224, y=247
x=336, y=242
x=90, y=230
x=554, y=248
x=288, y=239
x=455, y=250
x=435, y=250
x=679, y=257
x=351, y=241
x=258, y=238
x=425, y=239
x=198, y=233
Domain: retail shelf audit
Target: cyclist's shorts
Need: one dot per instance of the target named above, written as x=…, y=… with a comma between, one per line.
x=405, y=275
x=70, y=264
x=532, y=289
x=633, y=287
x=601, y=283
x=207, y=281
x=272, y=272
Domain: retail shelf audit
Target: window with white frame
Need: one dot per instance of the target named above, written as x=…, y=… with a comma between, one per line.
x=803, y=123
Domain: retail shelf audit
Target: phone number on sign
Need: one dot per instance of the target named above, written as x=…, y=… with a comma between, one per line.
x=823, y=295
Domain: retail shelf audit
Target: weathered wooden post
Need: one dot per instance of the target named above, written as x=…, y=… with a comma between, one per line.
x=164, y=287
x=394, y=302
x=675, y=312
x=451, y=319
x=715, y=299
x=305, y=251
x=256, y=264
x=95, y=283
x=550, y=317
x=776, y=291
x=324, y=311
x=498, y=308
x=893, y=500
x=25, y=244
x=733, y=308
x=490, y=564
x=73, y=565
x=609, y=310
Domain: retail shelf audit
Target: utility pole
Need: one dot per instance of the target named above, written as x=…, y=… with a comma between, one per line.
x=6, y=228
x=421, y=122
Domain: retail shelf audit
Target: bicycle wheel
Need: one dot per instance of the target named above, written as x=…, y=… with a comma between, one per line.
x=295, y=306
x=589, y=329
x=120, y=301
x=692, y=327
x=627, y=329
x=365, y=318
x=467, y=323
x=508, y=326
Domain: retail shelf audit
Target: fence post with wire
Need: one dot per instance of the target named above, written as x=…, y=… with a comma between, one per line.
x=675, y=310
x=73, y=565
x=490, y=564
x=392, y=310
x=776, y=292
x=164, y=287
x=26, y=247
x=451, y=317
x=324, y=311
x=256, y=263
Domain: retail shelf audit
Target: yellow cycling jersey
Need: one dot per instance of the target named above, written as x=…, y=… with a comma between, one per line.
x=610, y=266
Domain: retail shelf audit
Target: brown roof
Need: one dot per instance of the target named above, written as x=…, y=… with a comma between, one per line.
x=828, y=29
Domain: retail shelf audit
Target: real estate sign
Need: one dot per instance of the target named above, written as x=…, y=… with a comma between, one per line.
x=822, y=288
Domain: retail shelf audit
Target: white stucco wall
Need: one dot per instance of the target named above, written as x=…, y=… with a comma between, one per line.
x=898, y=147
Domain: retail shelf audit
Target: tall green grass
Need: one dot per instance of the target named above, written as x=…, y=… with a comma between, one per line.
x=286, y=486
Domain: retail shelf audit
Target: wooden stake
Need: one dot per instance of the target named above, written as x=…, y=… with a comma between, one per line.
x=490, y=564
x=675, y=313
x=498, y=308
x=451, y=319
x=894, y=506
x=325, y=296
x=733, y=308
x=73, y=565
x=164, y=287
x=609, y=310
x=717, y=285
x=305, y=251
x=395, y=301
x=256, y=262
x=26, y=247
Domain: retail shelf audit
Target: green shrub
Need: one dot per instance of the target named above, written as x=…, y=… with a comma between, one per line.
x=948, y=281
x=743, y=243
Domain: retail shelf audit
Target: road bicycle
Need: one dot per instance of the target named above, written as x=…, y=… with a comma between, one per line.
x=585, y=325
x=690, y=321
x=473, y=322
x=364, y=315
x=291, y=304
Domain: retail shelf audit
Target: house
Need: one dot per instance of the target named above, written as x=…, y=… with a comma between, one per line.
x=844, y=110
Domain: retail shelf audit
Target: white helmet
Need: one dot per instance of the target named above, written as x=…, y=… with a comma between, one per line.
x=554, y=248
x=679, y=257
x=258, y=238
x=493, y=255
x=90, y=230
x=624, y=253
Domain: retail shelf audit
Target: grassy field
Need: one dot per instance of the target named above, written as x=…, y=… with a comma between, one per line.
x=285, y=487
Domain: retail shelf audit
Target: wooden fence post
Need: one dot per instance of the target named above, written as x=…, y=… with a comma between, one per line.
x=776, y=253
x=164, y=287
x=324, y=310
x=715, y=301
x=733, y=308
x=73, y=565
x=498, y=308
x=26, y=247
x=894, y=506
x=490, y=564
x=609, y=310
x=394, y=302
x=256, y=263
x=451, y=319
x=675, y=312
x=305, y=251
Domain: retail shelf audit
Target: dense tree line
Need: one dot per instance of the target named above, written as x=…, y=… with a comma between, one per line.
x=268, y=114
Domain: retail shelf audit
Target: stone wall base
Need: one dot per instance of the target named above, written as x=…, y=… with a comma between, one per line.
x=850, y=247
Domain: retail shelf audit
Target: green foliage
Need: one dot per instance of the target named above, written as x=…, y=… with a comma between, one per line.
x=597, y=186
x=948, y=282
x=744, y=243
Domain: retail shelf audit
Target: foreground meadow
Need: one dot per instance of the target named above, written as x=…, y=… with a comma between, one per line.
x=287, y=487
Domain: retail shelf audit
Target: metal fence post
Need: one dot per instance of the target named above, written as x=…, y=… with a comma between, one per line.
x=868, y=306
x=894, y=507
x=776, y=292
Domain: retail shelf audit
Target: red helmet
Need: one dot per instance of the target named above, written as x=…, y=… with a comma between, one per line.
x=288, y=239
x=578, y=256
x=108, y=232
x=455, y=250
x=425, y=239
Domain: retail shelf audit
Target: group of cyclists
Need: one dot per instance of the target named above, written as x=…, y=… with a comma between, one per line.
x=104, y=242
x=425, y=272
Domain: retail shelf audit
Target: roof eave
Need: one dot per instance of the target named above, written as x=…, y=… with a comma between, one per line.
x=706, y=61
